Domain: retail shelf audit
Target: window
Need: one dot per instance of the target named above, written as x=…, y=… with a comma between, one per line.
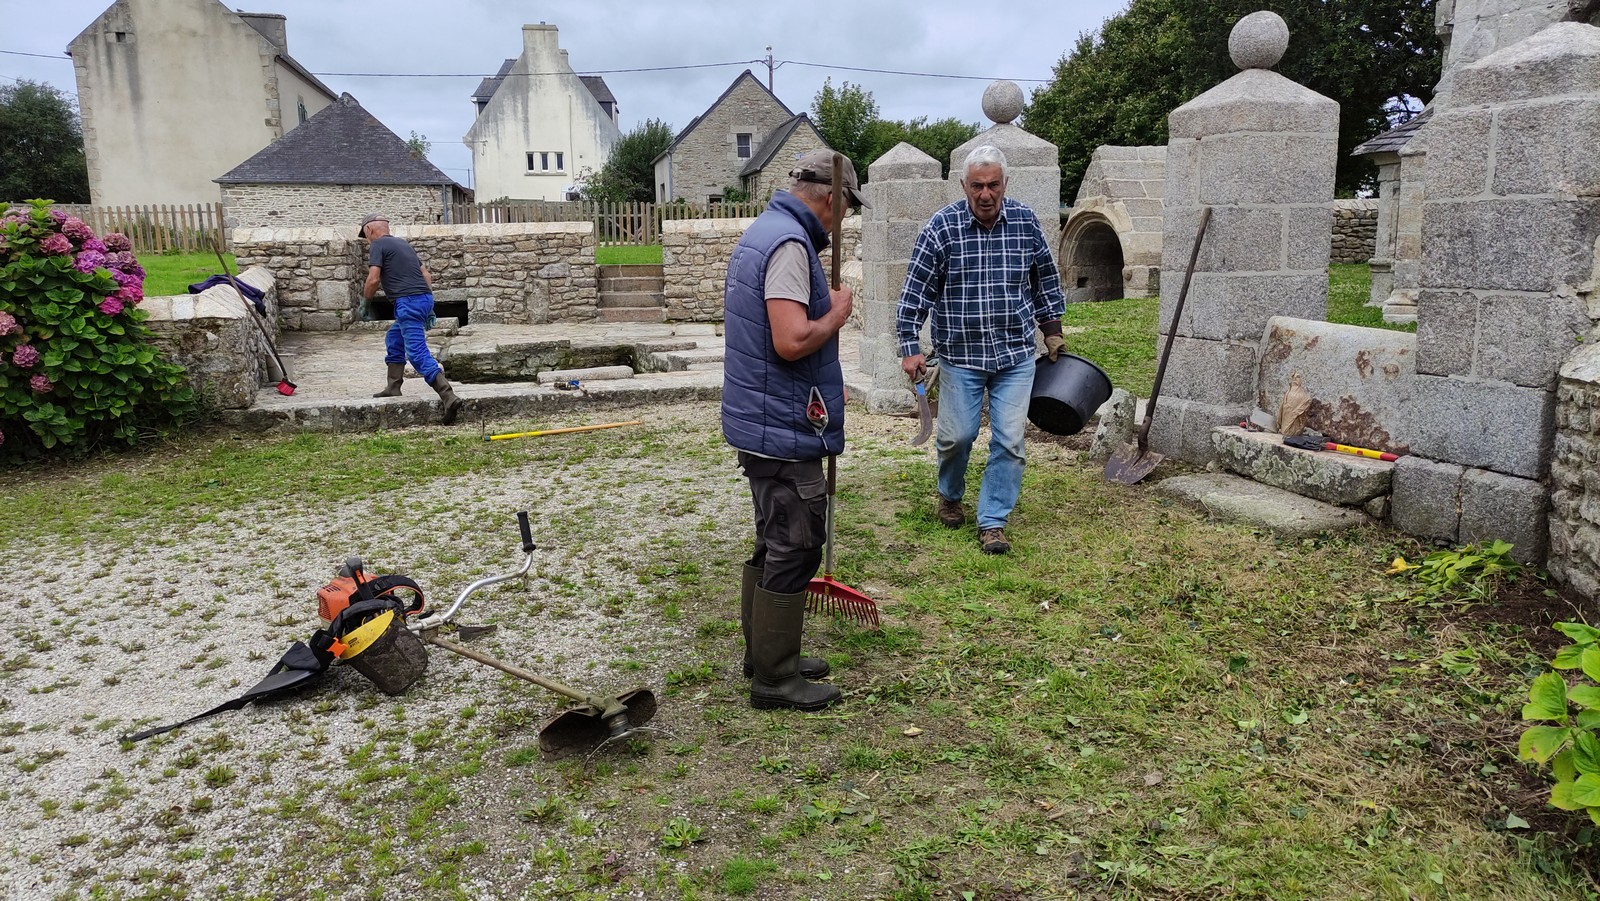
x=559, y=166
x=743, y=140
x=533, y=161
x=539, y=161
x=300, y=105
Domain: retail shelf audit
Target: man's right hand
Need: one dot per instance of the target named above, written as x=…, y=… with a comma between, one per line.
x=915, y=367
x=843, y=302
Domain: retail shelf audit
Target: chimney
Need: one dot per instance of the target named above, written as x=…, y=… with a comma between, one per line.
x=539, y=45
x=273, y=27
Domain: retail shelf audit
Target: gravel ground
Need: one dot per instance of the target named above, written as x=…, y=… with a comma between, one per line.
x=109, y=636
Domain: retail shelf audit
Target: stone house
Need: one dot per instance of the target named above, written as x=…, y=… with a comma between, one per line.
x=721, y=148
x=338, y=166
x=540, y=126
x=768, y=168
x=174, y=92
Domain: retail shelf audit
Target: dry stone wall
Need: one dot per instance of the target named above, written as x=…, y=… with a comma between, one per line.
x=1355, y=230
x=695, y=253
x=211, y=336
x=1575, y=491
x=509, y=273
x=340, y=206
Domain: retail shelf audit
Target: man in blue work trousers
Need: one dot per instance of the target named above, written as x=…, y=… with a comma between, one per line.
x=982, y=268
x=392, y=263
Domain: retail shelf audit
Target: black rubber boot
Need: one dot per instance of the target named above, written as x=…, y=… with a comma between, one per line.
x=810, y=667
x=452, y=404
x=776, y=621
x=397, y=376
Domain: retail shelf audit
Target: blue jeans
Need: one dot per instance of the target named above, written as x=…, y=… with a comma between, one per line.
x=407, y=339
x=961, y=394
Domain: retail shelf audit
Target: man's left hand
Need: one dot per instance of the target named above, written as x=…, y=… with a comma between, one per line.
x=1053, y=345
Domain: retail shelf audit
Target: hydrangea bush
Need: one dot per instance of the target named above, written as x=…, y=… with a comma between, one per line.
x=78, y=368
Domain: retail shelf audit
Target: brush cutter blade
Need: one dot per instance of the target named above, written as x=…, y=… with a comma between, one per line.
x=824, y=595
x=582, y=727
x=1130, y=464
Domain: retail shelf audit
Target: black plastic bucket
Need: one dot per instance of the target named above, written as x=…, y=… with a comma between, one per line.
x=1066, y=393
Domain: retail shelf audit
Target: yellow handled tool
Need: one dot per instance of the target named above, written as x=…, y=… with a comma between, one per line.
x=542, y=432
x=1361, y=451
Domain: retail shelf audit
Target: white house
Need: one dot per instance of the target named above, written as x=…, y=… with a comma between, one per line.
x=539, y=125
x=173, y=93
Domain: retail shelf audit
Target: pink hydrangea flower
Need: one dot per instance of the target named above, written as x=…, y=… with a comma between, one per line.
x=8, y=324
x=77, y=229
x=2, y=437
x=89, y=261
x=117, y=242
x=26, y=356
x=40, y=385
x=57, y=215
x=56, y=244
x=96, y=245
x=131, y=294
x=111, y=306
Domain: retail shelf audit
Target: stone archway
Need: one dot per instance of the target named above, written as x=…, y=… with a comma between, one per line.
x=1092, y=262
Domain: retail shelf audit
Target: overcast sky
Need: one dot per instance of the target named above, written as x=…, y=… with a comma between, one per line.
x=1017, y=40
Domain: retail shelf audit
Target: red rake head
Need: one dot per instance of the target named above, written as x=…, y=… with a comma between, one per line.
x=824, y=595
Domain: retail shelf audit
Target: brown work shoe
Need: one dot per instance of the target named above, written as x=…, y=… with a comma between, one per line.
x=951, y=513
x=993, y=541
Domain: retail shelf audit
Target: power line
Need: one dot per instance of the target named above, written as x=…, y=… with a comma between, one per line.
x=744, y=62
x=61, y=56
x=917, y=74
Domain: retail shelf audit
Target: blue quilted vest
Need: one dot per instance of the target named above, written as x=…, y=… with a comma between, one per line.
x=764, y=396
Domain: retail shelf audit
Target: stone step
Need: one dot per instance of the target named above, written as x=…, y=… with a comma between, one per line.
x=623, y=285
x=633, y=314
x=1230, y=498
x=1326, y=476
x=681, y=360
x=631, y=299
x=631, y=270
x=591, y=374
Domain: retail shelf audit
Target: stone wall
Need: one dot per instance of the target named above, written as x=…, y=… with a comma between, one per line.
x=211, y=336
x=338, y=206
x=1575, y=493
x=707, y=161
x=776, y=174
x=694, y=255
x=1355, y=230
x=507, y=273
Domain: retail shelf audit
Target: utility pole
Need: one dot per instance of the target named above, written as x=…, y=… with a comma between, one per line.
x=768, y=61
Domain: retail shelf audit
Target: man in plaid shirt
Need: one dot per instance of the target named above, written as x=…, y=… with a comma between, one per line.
x=982, y=268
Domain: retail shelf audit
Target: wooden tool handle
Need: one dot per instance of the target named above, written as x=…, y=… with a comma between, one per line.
x=838, y=215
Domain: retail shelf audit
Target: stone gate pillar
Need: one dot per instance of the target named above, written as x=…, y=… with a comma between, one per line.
x=906, y=190
x=1033, y=165
x=1260, y=150
x=1509, y=235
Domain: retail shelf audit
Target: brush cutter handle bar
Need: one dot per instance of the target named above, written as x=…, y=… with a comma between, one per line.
x=434, y=621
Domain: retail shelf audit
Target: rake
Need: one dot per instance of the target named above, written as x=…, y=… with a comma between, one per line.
x=827, y=595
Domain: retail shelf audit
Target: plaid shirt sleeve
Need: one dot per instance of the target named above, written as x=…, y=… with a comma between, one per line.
x=1047, y=278
x=924, y=283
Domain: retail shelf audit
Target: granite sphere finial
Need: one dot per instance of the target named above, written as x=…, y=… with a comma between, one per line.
x=1002, y=102
x=1258, y=40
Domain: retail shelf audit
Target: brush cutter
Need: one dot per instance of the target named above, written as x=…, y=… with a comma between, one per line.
x=285, y=387
x=592, y=722
x=825, y=595
x=1133, y=462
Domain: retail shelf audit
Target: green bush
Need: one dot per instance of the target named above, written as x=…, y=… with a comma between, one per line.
x=1571, y=747
x=78, y=369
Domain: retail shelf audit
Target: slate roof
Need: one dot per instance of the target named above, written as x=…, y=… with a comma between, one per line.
x=487, y=87
x=1395, y=139
x=769, y=148
x=714, y=104
x=342, y=144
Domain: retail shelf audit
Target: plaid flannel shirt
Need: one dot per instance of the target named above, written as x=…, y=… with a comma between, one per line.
x=987, y=288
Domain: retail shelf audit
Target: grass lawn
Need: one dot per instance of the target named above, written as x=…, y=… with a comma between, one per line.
x=1136, y=703
x=649, y=254
x=167, y=274
x=1119, y=335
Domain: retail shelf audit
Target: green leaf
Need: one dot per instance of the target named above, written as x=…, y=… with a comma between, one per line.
x=1561, y=796
x=1586, y=791
x=1579, y=632
x=1563, y=767
x=1540, y=743
x=1586, y=753
x=1547, y=698
x=1584, y=695
x=1568, y=657
x=1589, y=660
x=1515, y=822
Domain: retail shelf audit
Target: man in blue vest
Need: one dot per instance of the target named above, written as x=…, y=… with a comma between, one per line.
x=783, y=411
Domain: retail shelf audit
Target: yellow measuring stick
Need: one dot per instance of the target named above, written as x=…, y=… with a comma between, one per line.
x=542, y=432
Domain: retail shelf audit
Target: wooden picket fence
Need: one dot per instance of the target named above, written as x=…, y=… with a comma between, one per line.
x=157, y=228
x=633, y=223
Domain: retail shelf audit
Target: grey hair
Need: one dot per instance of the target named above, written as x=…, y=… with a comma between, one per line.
x=983, y=155
x=808, y=189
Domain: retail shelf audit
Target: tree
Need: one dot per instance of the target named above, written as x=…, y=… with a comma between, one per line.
x=630, y=173
x=939, y=139
x=847, y=118
x=419, y=145
x=1378, y=58
x=41, y=145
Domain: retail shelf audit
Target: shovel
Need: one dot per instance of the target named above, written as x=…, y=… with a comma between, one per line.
x=1133, y=462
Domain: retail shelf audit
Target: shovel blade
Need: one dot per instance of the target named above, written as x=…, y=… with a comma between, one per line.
x=1130, y=464
x=581, y=727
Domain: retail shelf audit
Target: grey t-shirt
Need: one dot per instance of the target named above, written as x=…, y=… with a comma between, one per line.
x=399, y=268
x=789, y=273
